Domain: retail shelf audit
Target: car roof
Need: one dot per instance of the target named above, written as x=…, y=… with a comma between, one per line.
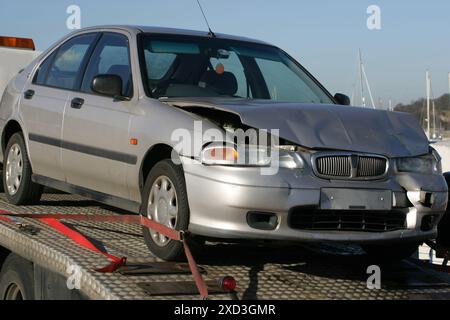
x=174, y=31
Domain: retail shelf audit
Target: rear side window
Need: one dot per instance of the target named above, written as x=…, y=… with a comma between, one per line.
x=62, y=69
x=111, y=56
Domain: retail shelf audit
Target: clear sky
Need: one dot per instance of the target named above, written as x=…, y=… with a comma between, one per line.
x=324, y=35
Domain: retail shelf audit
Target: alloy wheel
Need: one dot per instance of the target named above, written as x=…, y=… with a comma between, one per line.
x=14, y=169
x=163, y=207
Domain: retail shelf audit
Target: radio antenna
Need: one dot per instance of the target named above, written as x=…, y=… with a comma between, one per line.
x=211, y=33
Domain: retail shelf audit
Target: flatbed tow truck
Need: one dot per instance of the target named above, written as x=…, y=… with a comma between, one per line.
x=51, y=262
x=63, y=260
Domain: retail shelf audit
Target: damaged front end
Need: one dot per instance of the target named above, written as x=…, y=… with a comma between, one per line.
x=333, y=181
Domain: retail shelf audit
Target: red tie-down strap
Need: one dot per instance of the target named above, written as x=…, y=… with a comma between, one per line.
x=5, y=219
x=116, y=262
x=82, y=241
x=77, y=237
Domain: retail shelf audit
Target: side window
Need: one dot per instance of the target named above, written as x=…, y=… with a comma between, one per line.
x=65, y=68
x=233, y=65
x=111, y=56
x=41, y=75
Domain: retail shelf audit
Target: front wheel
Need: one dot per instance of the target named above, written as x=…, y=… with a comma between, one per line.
x=1, y=180
x=391, y=252
x=165, y=201
x=17, y=172
x=443, y=238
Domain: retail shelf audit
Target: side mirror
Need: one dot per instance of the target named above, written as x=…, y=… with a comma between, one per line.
x=108, y=85
x=342, y=99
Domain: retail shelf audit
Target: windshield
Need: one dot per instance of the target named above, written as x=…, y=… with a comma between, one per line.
x=176, y=66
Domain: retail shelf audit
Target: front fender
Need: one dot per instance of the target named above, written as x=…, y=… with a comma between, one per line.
x=155, y=123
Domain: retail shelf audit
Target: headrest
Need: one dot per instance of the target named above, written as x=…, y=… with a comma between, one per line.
x=225, y=83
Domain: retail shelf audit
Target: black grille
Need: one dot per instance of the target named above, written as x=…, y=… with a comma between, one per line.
x=371, y=167
x=350, y=166
x=347, y=220
x=335, y=166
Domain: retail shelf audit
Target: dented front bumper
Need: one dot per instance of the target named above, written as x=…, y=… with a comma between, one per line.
x=224, y=200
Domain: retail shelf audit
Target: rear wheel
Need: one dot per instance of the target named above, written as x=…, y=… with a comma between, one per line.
x=17, y=172
x=16, y=279
x=391, y=252
x=165, y=201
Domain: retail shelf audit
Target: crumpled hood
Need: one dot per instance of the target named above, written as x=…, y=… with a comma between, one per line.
x=393, y=134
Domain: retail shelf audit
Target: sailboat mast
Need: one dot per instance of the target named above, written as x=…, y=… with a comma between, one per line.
x=434, y=119
x=368, y=87
x=428, y=104
x=363, y=99
x=364, y=81
x=440, y=120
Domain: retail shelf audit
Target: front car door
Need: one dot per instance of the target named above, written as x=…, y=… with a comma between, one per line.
x=45, y=99
x=96, y=149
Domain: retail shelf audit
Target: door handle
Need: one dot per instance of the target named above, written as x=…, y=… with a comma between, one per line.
x=29, y=94
x=77, y=103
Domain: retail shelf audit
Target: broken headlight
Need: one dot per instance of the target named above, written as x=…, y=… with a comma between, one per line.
x=429, y=164
x=251, y=156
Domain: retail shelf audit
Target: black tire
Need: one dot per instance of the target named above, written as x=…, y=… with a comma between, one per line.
x=173, y=250
x=16, y=279
x=443, y=238
x=28, y=192
x=391, y=252
x=1, y=180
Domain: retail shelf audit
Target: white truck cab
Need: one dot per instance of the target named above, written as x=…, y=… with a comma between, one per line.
x=15, y=54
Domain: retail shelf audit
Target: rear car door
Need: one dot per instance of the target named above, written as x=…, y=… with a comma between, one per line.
x=96, y=151
x=45, y=99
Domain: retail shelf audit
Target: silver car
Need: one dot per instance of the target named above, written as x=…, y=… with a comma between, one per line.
x=148, y=120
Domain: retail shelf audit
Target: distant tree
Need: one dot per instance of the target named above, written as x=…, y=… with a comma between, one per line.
x=418, y=109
